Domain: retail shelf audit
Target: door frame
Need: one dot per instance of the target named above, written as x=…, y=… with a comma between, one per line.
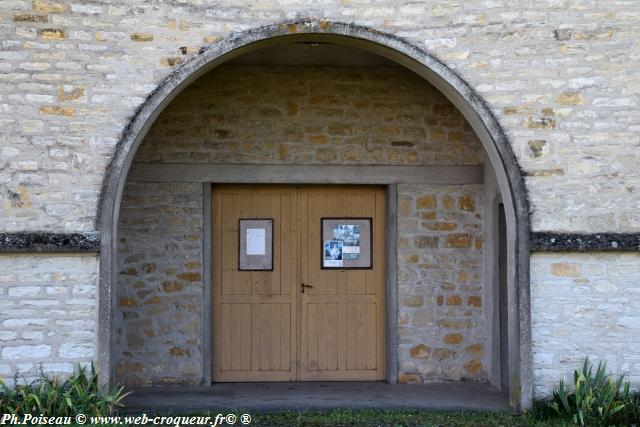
x=388, y=176
x=391, y=286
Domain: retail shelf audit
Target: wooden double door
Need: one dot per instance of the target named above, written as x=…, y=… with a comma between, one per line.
x=298, y=322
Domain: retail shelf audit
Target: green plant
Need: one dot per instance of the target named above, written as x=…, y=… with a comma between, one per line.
x=630, y=415
x=594, y=400
x=81, y=393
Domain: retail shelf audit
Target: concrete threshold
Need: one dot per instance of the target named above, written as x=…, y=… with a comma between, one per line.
x=316, y=395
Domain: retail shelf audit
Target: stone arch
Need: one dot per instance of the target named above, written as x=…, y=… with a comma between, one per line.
x=473, y=108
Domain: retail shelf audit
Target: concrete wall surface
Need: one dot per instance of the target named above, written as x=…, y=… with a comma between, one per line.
x=584, y=305
x=48, y=314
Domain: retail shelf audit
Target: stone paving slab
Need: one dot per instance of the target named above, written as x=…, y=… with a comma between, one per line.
x=317, y=395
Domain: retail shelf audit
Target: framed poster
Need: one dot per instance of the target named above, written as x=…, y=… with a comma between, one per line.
x=255, y=244
x=346, y=243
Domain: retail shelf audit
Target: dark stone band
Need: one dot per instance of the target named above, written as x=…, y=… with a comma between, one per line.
x=540, y=241
x=566, y=242
x=50, y=242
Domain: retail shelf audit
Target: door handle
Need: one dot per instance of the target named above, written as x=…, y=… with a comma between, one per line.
x=302, y=286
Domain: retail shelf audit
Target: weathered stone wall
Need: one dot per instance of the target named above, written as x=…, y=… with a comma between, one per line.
x=48, y=314
x=296, y=115
x=253, y=114
x=584, y=305
x=160, y=289
x=561, y=77
x=441, y=321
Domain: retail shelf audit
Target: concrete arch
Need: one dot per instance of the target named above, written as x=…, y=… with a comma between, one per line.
x=473, y=108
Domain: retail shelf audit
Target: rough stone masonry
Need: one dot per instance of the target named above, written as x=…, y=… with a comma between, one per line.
x=560, y=76
x=301, y=115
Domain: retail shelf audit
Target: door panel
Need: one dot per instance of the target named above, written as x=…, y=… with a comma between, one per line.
x=266, y=328
x=255, y=312
x=347, y=305
x=322, y=337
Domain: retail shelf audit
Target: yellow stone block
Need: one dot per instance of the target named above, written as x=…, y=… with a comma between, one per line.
x=475, y=301
x=467, y=203
x=571, y=98
x=565, y=270
x=49, y=7
x=414, y=301
x=56, y=110
x=70, y=94
x=408, y=378
x=420, y=351
x=52, y=34
x=453, y=338
x=454, y=300
x=474, y=367
x=141, y=37
x=475, y=349
x=426, y=202
x=170, y=61
x=458, y=240
x=25, y=17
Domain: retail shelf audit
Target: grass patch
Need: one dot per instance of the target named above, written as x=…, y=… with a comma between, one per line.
x=538, y=417
x=402, y=417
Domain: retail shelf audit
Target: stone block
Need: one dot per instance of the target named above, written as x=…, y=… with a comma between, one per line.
x=565, y=270
x=474, y=367
x=71, y=350
x=21, y=352
x=52, y=33
x=475, y=301
x=24, y=291
x=420, y=351
x=430, y=242
x=427, y=202
x=458, y=240
x=28, y=17
x=49, y=6
x=412, y=301
x=467, y=203
x=141, y=37
x=453, y=338
x=57, y=110
x=454, y=300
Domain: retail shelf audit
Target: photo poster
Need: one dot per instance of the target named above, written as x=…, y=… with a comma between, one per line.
x=346, y=243
x=255, y=244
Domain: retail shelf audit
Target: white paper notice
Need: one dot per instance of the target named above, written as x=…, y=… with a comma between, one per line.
x=256, y=241
x=333, y=263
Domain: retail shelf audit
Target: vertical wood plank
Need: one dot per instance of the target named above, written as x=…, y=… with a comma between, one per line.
x=371, y=354
x=312, y=337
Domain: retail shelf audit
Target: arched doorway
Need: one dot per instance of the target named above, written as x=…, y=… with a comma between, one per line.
x=472, y=107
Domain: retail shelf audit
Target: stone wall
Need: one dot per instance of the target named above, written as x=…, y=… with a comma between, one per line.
x=160, y=289
x=294, y=115
x=48, y=314
x=584, y=305
x=302, y=115
x=440, y=286
x=560, y=76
